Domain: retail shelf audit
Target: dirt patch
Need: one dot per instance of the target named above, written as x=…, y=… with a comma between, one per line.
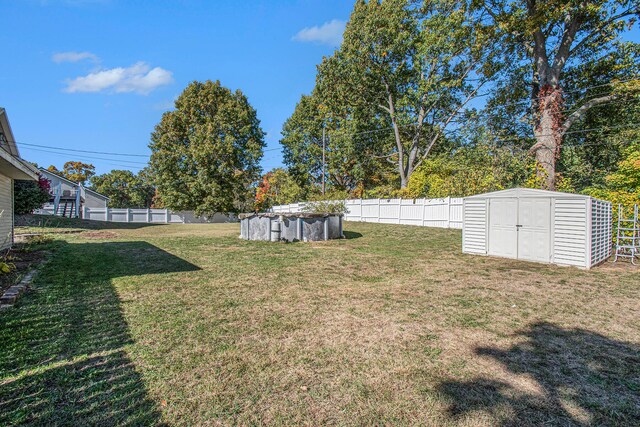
x=621, y=265
x=99, y=235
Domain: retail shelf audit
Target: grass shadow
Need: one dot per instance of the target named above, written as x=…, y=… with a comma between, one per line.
x=351, y=235
x=585, y=379
x=47, y=222
x=63, y=357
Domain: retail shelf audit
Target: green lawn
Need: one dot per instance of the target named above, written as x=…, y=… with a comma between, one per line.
x=188, y=325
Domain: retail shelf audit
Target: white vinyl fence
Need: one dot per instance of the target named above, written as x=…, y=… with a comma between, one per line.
x=151, y=216
x=441, y=213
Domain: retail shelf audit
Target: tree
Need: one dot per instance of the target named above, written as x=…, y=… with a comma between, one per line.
x=78, y=172
x=30, y=195
x=302, y=141
x=623, y=185
x=587, y=158
x=546, y=41
x=124, y=189
x=469, y=170
x=348, y=162
x=277, y=187
x=206, y=152
x=410, y=66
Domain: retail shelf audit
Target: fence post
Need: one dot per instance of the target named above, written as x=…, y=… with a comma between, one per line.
x=166, y=216
x=400, y=211
x=128, y=215
x=448, y=200
x=148, y=215
x=424, y=210
x=378, y=210
x=106, y=213
x=360, y=210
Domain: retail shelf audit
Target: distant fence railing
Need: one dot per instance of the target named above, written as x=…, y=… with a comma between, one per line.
x=155, y=216
x=441, y=213
x=151, y=216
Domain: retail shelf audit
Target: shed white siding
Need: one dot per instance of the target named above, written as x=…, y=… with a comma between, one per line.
x=570, y=232
x=600, y=231
x=474, y=233
x=537, y=225
x=6, y=211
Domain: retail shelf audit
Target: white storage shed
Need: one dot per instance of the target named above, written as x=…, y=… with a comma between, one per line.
x=538, y=225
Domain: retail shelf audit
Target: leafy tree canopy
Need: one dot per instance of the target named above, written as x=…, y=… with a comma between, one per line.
x=206, y=152
x=406, y=70
x=124, y=189
x=470, y=170
x=277, y=187
x=78, y=172
x=554, y=53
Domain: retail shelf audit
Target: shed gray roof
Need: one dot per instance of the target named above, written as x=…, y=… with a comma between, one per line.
x=527, y=192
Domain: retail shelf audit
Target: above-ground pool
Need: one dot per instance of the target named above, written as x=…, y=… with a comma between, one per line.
x=290, y=227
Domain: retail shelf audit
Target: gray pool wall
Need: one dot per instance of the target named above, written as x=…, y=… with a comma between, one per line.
x=290, y=227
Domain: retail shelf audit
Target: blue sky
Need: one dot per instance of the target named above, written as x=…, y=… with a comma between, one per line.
x=98, y=74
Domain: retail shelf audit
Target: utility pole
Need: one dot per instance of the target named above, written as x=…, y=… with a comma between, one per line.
x=324, y=145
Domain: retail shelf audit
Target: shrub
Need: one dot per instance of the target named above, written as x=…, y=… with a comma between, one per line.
x=326, y=206
x=30, y=195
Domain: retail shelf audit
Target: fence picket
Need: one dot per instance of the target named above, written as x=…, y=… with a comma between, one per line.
x=441, y=213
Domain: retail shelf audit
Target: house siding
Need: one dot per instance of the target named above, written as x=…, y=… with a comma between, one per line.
x=61, y=186
x=92, y=201
x=6, y=209
x=65, y=188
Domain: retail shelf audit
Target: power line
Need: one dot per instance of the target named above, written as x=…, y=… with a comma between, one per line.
x=102, y=152
x=481, y=95
x=82, y=151
x=85, y=158
x=604, y=84
x=334, y=134
x=496, y=140
x=604, y=128
x=612, y=102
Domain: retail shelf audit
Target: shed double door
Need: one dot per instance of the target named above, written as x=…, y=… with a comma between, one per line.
x=520, y=228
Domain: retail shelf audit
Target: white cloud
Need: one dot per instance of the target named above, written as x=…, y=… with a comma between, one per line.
x=139, y=78
x=74, y=57
x=329, y=33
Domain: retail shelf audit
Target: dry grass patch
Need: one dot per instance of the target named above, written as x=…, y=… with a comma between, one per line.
x=391, y=326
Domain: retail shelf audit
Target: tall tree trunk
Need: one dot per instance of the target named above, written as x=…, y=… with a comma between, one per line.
x=546, y=152
x=391, y=109
x=548, y=133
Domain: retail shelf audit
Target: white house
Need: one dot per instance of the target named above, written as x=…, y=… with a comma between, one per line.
x=537, y=225
x=11, y=167
x=68, y=198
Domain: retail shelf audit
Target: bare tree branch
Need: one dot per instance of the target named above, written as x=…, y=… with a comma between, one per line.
x=580, y=112
x=597, y=31
x=572, y=25
x=446, y=123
